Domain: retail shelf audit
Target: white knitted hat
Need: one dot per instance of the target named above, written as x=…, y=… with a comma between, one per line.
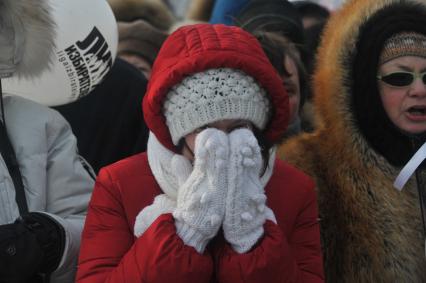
x=214, y=95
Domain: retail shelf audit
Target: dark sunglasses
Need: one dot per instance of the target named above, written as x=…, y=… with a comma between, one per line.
x=402, y=78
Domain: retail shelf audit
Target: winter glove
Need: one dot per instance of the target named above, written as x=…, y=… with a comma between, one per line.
x=33, y=244
x=201, y=198
x=246, y=210
x=162, y=204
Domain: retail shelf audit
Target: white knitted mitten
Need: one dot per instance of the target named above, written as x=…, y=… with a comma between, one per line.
x=162, y=204
x=201, y=198
x=246, y=210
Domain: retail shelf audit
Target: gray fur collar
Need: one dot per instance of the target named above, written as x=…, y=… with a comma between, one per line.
x=27, y=33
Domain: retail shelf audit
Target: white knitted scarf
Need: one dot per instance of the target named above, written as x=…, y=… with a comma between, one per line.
x=159, y=159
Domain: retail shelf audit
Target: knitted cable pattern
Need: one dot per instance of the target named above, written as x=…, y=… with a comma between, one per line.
x=200, y=202
x=246, y=209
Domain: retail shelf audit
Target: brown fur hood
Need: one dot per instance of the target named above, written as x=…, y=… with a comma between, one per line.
x=370, y=231
x=27, y=36
x=334, y=77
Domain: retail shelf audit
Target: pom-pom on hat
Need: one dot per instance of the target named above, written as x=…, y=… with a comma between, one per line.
x=213, y=95
x=403, y=44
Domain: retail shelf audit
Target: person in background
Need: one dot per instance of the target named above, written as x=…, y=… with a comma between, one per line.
x=314, y=18
x=312, y=13
x=208, y=201
x=139, y=43
x=282, y=22
x=224, y=11
x=142, y=27
x=45, y=185
x=285, y=58
x=370, y=91
x=273, y=16
x=155, y=12
x=197, y=11
x=179, y=8
x=108, y=123
x=200, y=10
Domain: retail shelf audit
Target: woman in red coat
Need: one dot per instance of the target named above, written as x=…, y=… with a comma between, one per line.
x=207, y=202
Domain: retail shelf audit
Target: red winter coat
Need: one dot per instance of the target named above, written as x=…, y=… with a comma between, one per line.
x=288, y=252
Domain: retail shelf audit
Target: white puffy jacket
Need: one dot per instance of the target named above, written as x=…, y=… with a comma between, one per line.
x=54, y=178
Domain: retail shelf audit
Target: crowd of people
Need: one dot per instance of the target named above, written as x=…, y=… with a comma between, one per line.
x=230, y=141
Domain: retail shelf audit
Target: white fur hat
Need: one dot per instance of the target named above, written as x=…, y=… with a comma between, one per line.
x=27, y=36
x=214, y=95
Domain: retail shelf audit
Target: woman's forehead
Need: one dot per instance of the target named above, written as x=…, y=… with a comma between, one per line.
x=405, y=62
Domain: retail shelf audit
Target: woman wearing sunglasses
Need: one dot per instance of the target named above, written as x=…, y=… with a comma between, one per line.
x=370, y=96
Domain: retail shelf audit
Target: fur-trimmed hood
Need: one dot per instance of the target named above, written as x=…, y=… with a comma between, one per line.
x=26, y=37
x=370, y=231
x=346, y=94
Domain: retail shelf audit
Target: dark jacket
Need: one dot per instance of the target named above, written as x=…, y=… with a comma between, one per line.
x=108, y=123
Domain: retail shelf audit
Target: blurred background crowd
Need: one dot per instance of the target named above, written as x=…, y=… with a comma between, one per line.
x=289, y=33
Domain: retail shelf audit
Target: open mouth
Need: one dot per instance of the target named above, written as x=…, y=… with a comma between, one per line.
x=417, y=110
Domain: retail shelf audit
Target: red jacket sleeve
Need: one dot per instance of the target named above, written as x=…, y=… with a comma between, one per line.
x=278, y=259
x=110, y=253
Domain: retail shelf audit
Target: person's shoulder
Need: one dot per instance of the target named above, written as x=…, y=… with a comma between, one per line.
x=122, y=71
x=290, y=181
x=26, y=114
x=24, y=107
x=298, y=147
x=130, y=178
x=289, y=191
x=303, y=152
x=130, y=167
x=289, y=172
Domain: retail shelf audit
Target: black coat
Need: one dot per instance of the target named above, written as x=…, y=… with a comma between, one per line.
x=108, y=122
